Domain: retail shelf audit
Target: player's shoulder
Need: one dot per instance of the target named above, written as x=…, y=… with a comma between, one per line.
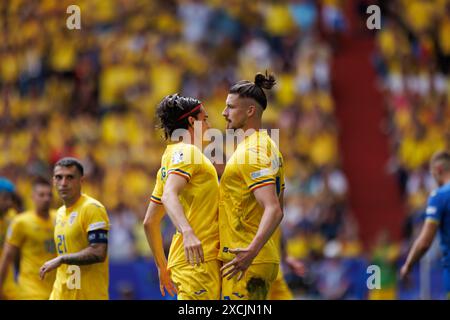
x=11, y=214
x=91, y=203
x=23, y=216
x=261, y=141
x=442, y=190
x=441, y=194
x=183, y=153
x=187, y=148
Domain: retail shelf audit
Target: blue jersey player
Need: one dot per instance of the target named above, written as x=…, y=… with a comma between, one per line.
x=437, y=217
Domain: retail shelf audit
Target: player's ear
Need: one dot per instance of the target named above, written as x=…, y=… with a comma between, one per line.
x=251, y=110
x=191, y=121
x=439, y=169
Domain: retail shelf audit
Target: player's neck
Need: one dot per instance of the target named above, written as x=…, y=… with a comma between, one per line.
x=191, y=138
x=446, y=180
x=69, y=203
x=254, y=124
x=43, y=214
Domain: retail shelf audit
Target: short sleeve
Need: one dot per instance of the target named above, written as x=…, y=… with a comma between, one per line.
x=184, y=161
x=158, y=189
x=15, y=235
x=95, y=218
x=434, y=208
x=260, y=170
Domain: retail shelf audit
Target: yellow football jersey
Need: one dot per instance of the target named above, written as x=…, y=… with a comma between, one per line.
x=256, y=162
x=34, y=237
x=199, y=198
x=86, y=282
x=9, y=285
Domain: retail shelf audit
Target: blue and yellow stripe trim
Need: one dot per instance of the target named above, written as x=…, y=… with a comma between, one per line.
x=432, y=219
x=180, y=172
x=261, y=183
x=156, y=200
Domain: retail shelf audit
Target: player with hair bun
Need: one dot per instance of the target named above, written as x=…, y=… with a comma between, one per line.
x=251, y=195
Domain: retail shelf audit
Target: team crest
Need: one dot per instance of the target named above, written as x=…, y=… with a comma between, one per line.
x=59, y=222
x=177, y=157
x=72, y=217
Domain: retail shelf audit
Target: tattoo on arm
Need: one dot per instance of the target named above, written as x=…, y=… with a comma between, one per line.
x=89, y=255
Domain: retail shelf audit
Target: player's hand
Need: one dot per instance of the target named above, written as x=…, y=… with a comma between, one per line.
x=49, y=266
x=165, y=282
x=193, y=248
x=239, y=265
x=297, y=267
x=404, y=271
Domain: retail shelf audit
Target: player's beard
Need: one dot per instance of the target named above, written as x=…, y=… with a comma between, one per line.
x=235, y=125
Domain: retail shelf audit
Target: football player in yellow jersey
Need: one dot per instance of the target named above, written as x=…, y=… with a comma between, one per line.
x=7, y=188
x=30, y=236
x=187, y=186
x=250, y=193
x=81, y=239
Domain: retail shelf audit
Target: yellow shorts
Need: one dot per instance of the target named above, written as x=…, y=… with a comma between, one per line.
x=255, y=285
x=200, y=282
x=383, y=294
x=279, y=289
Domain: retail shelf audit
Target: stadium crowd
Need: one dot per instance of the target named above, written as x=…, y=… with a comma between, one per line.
x=412, y=61
x=92, y=94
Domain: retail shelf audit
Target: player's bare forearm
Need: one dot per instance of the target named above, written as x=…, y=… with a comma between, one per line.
x=269, y=222
x=192, y=246
x=94, y=253
x=271, y=218
x=174, y=186
x=423, y=242
x=175, y=211
x=416, y=253
x=152, y=229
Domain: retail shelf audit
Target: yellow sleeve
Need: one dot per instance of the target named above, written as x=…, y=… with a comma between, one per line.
x=158, y=189
x=15, y=235
x=185, y=161
x=261, y=170
x=95, y=218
